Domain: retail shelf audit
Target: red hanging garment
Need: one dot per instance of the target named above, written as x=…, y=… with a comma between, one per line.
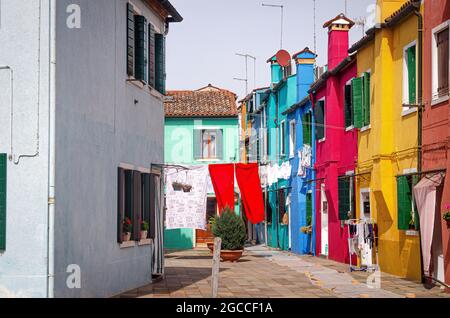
x=251, y=192
x=222, y=177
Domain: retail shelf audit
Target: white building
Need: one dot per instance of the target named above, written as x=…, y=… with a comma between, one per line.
x=81, y=141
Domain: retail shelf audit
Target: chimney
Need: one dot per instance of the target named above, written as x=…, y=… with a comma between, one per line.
x=276, y=70
x=305, y=61
x=338, y=39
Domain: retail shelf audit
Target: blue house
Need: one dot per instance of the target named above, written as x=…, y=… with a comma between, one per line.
x=301, y=135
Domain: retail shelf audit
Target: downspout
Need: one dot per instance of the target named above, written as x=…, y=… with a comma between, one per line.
x=51, y=152
x=420, y=109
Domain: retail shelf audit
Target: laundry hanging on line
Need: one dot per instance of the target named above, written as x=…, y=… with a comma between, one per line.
x=247, y=176
x=222, y=177
x=186, y=209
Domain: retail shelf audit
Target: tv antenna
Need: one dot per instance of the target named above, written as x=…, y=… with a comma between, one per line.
x=247, y=56
x=282, y=18
x=361, y=22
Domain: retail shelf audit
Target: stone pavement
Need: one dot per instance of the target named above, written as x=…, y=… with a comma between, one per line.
x=266, y=273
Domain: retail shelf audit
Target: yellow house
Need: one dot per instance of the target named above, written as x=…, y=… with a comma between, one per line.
x=245, y=128
x=388, y=143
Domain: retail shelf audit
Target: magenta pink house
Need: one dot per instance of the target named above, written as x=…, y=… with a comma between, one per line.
x=336, y=142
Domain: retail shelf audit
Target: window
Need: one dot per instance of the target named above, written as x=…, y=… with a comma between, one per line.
x=348, y=105
x=269, y=210
x=283, y=138
x=3, y=186
x=145, y=51
x=441, y=61
x=361, y=101
x=409, y=76
x=309, y=208
x=136, y=203
x=307, y=128
x=208, y=144
x=319, y=112
x=346, y=191
x=281, y=205
x=292, y=138
x=408, y=217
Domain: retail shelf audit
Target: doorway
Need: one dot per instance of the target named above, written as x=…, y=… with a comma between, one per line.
x=202, y=237
x=324, y=222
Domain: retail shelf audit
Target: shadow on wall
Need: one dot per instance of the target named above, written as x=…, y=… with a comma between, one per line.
x=179, y=239
x=382, y=214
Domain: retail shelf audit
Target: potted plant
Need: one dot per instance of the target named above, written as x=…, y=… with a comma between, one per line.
x=144, y=229
x=307, y=229
x=446, y=216
x=231, y=229
x=127, y=228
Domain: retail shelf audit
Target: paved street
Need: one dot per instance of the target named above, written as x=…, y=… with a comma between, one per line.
x=264, y=273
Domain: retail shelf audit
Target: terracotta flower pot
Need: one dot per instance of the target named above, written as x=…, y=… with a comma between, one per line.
x=126, y=237
x=144, y=235
x=231, y=256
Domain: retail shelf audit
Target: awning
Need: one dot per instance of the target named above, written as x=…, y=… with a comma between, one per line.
x=425, y=198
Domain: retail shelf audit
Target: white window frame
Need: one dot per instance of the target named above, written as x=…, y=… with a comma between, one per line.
x=282, y=129
x=323, y=99
x=209, y=131
x=435, y=99
x=361, y=203
x=406, y=110
x=292, y=138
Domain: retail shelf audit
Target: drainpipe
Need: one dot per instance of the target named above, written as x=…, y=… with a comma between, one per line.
x=51, y=152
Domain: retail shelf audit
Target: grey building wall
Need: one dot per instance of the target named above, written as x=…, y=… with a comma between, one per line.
x=98, y=127
x=24, y=47
x=102, y=121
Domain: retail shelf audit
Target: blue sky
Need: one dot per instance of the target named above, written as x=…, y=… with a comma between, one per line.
x=201, y=49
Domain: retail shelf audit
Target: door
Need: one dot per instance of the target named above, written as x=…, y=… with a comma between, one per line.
x=202, y=237
x=366, y=253
x=324, y=223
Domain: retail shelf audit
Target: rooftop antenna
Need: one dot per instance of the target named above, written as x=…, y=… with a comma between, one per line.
x=361, y=22
x=346, y=12
x=248, y=56
x=282, y=18
x=315, y=30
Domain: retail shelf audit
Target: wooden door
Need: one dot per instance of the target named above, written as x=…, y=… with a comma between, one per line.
x=211, y=211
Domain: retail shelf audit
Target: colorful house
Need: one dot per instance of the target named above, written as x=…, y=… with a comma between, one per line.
x=336, y=143
x=283, y=95
x=300, y=135
x=435, y=123
x=386, y=94
x=201, y=128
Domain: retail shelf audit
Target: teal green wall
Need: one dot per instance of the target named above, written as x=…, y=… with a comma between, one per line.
x=179, y=149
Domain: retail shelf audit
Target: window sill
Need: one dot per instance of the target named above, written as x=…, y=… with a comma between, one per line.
x=322, y=140
x=128, y=244
x=142, y=85
x=365, y=128
x=208, y=160
x=410, y=111
x=350, y=128
x=145, y=242
x=412, y=233
x=437, y=101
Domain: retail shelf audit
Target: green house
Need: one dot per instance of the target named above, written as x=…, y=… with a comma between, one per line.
x=201, y=128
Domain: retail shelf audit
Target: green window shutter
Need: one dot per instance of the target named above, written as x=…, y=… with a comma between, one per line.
x=308, y=207
x=348, y=106
x=146, y=193
x=357, y=101
x=151, y=55
x=415, y=181
x=3, y=187
x=197, y=143
x=120, y=203
x=160, y=60
x=344, y=198
x=219, y=144
x=319, y=111
x=130, y=39
x=137, y=205
x=404, y=203
x=141, y=48
x=411, y=59
x=366, y=100
x=306, y=127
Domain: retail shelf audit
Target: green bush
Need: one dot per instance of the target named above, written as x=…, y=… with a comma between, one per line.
x=231, y=229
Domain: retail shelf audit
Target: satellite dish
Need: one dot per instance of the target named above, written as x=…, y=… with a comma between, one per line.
x=283, y=58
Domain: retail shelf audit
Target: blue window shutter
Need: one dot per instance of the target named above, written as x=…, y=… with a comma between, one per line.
x=197, y=143
x=219, y=144
x=130, y=39
x=3, y=186
x=141, y=48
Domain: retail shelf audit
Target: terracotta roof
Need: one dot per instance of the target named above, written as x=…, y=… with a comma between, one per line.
x=405, y=10
x=202, y=103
